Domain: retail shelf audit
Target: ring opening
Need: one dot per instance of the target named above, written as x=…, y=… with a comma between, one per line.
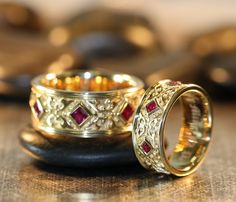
x=89, y=81
x=194, y=135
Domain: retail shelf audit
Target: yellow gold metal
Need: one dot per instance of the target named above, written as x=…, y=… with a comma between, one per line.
x=195, y=133
x=97, y=98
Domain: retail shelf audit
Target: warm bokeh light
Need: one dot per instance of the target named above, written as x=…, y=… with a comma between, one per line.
x=65, y=61
x=59, y=36
x=228, y=40
x=219, y=75
x=140, y=36
x=2, y=71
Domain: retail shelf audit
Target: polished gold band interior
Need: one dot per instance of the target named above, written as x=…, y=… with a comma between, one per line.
x=150, y=122
x=84, y=104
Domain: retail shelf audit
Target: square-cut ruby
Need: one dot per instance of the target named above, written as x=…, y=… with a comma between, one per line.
x=151, y=106
x=79, y=115
x=127, y=112
x=37, y=108
x=146, y=147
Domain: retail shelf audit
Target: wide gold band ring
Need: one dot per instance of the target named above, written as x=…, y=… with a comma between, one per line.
x=195, y=133
x=84, y=103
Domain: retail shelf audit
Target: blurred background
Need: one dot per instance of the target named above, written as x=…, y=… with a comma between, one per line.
x=190, y=41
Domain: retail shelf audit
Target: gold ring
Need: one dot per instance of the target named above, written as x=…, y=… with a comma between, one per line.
x=195, y=134
x=84, y=103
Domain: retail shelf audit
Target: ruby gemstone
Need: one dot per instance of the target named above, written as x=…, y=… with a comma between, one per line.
x=127, y=112
x=79, y=115
x=146, y=147
x=151, y=106
x=37, y=108
x=173, y=83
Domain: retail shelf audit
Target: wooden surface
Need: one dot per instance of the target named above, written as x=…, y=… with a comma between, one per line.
x=21, y=179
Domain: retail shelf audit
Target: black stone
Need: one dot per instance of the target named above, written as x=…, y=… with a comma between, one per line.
x=78, y=152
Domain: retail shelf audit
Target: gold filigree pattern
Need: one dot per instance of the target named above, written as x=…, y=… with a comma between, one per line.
x=195, y=132
x=103, y=114
x=147, y=124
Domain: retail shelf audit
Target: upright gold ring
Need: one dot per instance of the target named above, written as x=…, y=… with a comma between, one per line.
x=84, y=103
x=149, y=127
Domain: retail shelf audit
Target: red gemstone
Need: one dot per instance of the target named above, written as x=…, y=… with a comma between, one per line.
x=173, y=83
x=146, y=147
x=127, y=112
x=38, y=110
x=151, y=106
x=79, y=115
